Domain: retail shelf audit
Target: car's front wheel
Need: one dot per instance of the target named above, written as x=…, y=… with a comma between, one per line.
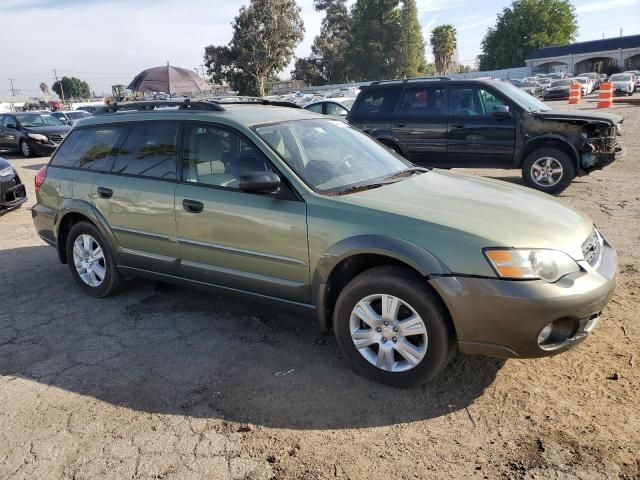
x=392, y=327
x=25, y=149
x=548, y=169
x=91, y=261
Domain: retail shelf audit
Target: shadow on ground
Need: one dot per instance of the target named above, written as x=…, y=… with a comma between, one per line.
x=162, y=349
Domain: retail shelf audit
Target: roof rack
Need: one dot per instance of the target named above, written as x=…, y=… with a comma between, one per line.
x=407, y=80
x=143, y=105
x=246, y=100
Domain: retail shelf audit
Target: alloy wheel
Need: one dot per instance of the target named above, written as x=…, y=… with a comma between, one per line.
x=388, y=333
x=26, y=150
x=89, y=260
x=546, y=171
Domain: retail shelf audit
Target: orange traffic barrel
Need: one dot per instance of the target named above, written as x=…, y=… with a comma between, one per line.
x=574, y=93
x=605, y=96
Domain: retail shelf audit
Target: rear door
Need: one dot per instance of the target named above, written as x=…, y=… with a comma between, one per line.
x=137, y=196
x=374, y=110
x=10, y=135
x=421, y=124
x=475, y=136
x=247, y=241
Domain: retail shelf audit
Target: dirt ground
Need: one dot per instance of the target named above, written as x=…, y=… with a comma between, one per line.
x=165, y=382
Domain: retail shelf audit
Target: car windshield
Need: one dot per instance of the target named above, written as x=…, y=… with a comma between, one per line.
x=332, y=157
x=562, y=83
x=37, y=120
x=620, y=78
x=521, y=97
x=528, y=84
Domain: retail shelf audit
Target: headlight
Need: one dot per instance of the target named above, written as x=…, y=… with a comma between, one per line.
x=37, y=137
x=7, y=172
x=549, y=265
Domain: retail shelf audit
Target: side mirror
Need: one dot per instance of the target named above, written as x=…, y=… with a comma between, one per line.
x=12, y=125
x=260, y=182
x=501, y=111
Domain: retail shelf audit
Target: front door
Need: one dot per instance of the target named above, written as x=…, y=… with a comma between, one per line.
x=230, y=238
x=9, y=136
x=475, y=136
x=137, y=196
x=421, y=124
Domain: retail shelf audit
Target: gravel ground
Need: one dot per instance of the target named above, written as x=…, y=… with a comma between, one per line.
x=165, y=382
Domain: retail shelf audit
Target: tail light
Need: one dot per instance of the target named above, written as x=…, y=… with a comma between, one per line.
x=40, y=177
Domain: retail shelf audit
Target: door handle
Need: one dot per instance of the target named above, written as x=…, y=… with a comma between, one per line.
x=457, y=125
x=192, y=205
x=104, y=192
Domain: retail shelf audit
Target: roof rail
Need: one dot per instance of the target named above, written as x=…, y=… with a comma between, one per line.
x=407, y=80
x=143, y=105
x=245, y=100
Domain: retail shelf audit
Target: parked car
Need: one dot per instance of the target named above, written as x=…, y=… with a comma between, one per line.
x=558, y=90
x=69, y=117
x=585, y=85
x=545, y=82
x=557, y=75
x=593, y=77
x=623, y=83
x=338, y=107
x=478, y=123
x=406, y=265
x=91, y=108
x=31, y=133
x=12, y=191
x=532, y=88
x=636, y=74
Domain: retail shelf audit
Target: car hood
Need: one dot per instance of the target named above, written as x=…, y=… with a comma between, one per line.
x=558, y=88
x=623, y=84
x=49, y=129
x=579, y=115
x=490, y=212
x=4, y=163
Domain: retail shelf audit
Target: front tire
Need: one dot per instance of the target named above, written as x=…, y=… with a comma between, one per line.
x=392, y=328
x=549, y=170
x=25, y=149
x=91, y=261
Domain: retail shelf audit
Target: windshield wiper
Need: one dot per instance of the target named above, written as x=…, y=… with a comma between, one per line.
x=358, y=188
x=407, y=172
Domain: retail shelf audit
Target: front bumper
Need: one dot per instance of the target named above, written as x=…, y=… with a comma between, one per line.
x=42, y=149
x=503, y=318
x=12, y=192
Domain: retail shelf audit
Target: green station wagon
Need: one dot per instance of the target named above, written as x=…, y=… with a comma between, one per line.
x=405, y=264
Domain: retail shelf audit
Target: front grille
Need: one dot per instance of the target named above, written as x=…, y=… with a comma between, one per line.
x=592, y=249
x=56, y=138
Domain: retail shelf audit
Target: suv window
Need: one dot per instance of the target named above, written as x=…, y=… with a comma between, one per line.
x=379, y=101
x=90, y=148
x=216, y=156
x=424, y=101
x=472, y=101
x=150, y=151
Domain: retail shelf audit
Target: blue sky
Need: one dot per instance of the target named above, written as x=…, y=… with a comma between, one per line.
x=108, y=41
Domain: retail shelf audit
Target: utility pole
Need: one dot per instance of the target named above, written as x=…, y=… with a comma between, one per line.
x=13, y=92
x=61, y=89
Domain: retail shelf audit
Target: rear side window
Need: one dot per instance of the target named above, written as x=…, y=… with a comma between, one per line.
x=149, y=151
x=425, y=101
x=316, y=107
x=89, y=148
x=377, y=102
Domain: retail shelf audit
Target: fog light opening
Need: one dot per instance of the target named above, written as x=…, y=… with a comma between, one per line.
x=557, y=334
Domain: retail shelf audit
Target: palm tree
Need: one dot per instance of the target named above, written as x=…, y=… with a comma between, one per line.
x=444, y=43
x=45, y=89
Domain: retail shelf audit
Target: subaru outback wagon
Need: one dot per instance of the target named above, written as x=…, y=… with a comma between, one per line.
x=406, y=265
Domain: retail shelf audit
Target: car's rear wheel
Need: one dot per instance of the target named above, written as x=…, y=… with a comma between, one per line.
x=392, y=328
x=548, y=169
x=91, y=261
x=25, y=149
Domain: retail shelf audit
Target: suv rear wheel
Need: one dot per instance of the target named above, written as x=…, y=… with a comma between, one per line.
x=91, y=261
x=392, y=328
x=548, y=169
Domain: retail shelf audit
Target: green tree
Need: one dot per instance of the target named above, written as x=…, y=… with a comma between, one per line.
x=374, y=41
x=524, y=26
x=444, y=43
x=410, y=61
x=330, y=46
x=72, y=87
x=265, y=34
x=310, y=70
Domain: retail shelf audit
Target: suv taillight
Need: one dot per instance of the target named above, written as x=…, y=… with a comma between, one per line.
x=40, y=176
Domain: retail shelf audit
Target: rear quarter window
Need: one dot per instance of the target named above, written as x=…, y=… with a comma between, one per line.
x=88, y=148
x=376, y=102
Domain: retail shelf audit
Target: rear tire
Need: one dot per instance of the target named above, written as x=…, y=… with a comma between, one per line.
x=417, y=341
x=91, y=261
x=549, y=170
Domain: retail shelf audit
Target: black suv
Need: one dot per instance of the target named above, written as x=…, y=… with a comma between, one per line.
x=443, y=122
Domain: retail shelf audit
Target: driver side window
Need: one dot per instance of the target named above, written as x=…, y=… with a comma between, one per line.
x=218, y=157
